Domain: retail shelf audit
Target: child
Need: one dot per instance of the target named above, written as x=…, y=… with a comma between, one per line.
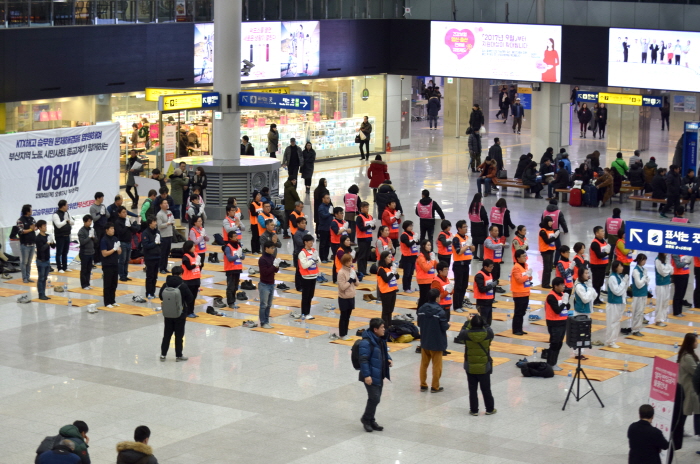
x=44, y=242
x=86, y=240
x=233, y=265
x=617, y=289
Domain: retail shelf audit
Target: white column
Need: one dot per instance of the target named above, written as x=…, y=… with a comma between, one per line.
x=546, y=120
x=227, y=79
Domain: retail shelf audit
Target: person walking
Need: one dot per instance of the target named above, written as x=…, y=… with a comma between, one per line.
x=584, y=118
x=518, y=113
x=433, y=325
x=478, y=364
x=520, y=284
x=134, y=168
x=426, y=209
x=273, y=141
x=681, y=274
x=175, y=325
x=62, y=226
x=43, y=243
x=308, y=262
x=387, y=284
x=617, y=289
x=165, y=221
x=556, y=312
x=365, y=227
x=546, y=240
x=483, y=289
x=191, y=273
x=646, y=441
x=663, y=273
x=364, y=132
x=601, y=116
x=291, y=198
x=496, y=153
x=150, y=241
x=474, y=151
x=308, y=161
x=665, y=115
x=292, y=159
x=347, y=284
x=27, y=242
x=233, y=265
x=463, y=249
x=433, y=108
x=110, y=247
x=599, y=257
x=377, y=173
x=375, y=363
x=426, y=263
x=87, y=242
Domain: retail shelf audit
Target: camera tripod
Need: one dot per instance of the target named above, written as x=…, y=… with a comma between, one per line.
x=577, y=380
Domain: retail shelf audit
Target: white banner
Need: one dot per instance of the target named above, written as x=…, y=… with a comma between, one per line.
x=43, y=167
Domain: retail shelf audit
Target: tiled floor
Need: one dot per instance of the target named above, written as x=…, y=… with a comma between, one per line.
x=252, y=397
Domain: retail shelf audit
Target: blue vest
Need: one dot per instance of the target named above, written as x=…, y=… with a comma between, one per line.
x=639, y=291
x=579, y=305
x=612, y=298
x=660, y=280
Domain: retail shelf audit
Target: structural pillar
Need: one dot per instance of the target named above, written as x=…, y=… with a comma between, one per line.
x=549, y=119
x=459, y=98
x=623, y=129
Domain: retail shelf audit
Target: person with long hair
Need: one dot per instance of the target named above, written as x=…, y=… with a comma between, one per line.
x=409, y=254
x=255, y=208
x=663, y=273
x=191, y=272
x=343, y=249
x=599, y=256
x=426, y=264
x=584, y=117
x=479, y=221
x=546, y=239
x=320, y=190
x=387, y=284
x=687, y=364
x=500, y=217
x=352, y=202
x=347, y=281
x=640, y=282
x=615, y=306
x=520, y=284
x=478, y=365
x=551, y=60
x=200, y=178
x=200, y=238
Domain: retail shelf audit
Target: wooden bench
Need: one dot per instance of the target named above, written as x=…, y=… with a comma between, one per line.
x=505, y=183
x=564, y=194
x=647, y=198
x=627, y=189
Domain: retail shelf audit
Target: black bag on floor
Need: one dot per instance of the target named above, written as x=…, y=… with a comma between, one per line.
x=537, y=369
x=373, y=269
x=176, y=253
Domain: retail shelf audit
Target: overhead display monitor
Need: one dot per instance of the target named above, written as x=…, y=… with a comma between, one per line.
x=495, y=51
x=652, y=59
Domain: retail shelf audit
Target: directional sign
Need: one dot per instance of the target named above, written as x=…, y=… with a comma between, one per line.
x=584, y=96
x=280, y=90
x=188, y=102
x=663, y=237
x=290, y=102
x=153, y=94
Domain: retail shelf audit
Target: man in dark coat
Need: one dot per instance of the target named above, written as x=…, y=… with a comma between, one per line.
x=523, y=163
x=385, y=195
x=673, y=189
x=646, y=441
x=496, y=153
x=137, y=451
x=375, y=362
x=292, y=158
x=433, y=108
x=658, y=184
x=476, y=121
x=689, y=189
x=433, y=325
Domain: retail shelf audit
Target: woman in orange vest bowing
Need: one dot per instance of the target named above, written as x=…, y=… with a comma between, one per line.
x=255, y=208
x=387, y=283
x=343, y=249
x=233, y=265
x=546, y=240
x=520, y=284
x=623, y=254
x=191, y=271
x=483, y=291
x=409, y=254
x=556, y=308
x=519, y=241
x=200, y=238
x=425, y=270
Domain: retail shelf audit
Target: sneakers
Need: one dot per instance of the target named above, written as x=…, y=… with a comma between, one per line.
x=346, y=338
x=321, y=278
x=164, y=272
x=138, y=299
x=219, y=302
x=245, y=250
x=181, y=359
x=249, y=324
x=192, y=315
x=109, y=306
x=309, y=317
x=460, y=310
x=410, y=290
x=637, y=334
x=557, y=368
x=661, y=324
x=369, y=297
x=150, y=297
x=115, y=304
x=283, y=286
x=473, y=413
x=423, y=389
x=437, y=390
x=6, y=276
x=162, y=359
x=499, y=290
x=248, y=285
x=61, y=271
x=24, y=299
x=284, y=265
x=92, y=308
x=679, y=315
x=613, y=345
x=87, y=288
x=333, y=337
x=491, y=413
x=267, y=326
x=241, y=296
x=685, y=303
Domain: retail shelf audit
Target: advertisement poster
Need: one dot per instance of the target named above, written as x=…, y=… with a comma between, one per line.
x=300, y=48
x=60, y=164
x=203, y=53
x=525, y=94
x=495, y=51
x=654, y=59
x=690, y=104
x=180, y=10
x=169, y=145
x=678, y=104
x=662, y=394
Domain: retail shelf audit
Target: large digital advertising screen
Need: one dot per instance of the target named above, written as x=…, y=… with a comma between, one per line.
x=652, y=59
x=495, y=51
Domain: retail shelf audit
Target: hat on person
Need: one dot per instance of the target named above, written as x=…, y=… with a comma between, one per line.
x=652, y=159
x=292, y=139
x=517, y=99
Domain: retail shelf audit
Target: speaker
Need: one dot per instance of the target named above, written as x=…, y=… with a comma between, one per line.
x=578, y=332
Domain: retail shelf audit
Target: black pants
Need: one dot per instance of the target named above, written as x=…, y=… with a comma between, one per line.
x=374, y=396
x=664, y=119
x=232, y=279
x=334, y=253
x=85, y=270
x=423, y=294
x=388, y=304
x=547, y=257
x=134, y=196
x=445, y=259
x=287, y=215
x=151, y=275
x=193, y=285
x=427, y=229
x=308, y=288
x=166, y=244
x=691, y=197
x=99, y=233
x=557, y=255
x=324, y=247
x=696, y=291
x=110, y=276
x=255, y=239
x=671, y=203
x=346, y=305
x=351, y=224
x=521, y=303
x=293, y=171
x=598, y=277
x=363, y=247
x=461, y=274
x=496, y=273
x=173, y=325
x=297, y=275
x=474, y=381
x=680, y=284
x=557, y=331
x=408, y=264
x=62, y=246
x=485, y=309
x=364, y=142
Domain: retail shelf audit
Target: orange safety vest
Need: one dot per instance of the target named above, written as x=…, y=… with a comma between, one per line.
x=441, y=249
x=624, y=259
x=568, y=281
x=546, y=246
x=236, y=264
x=425, y=277
x=462, y=243
x=258, y=207
x=201, y=247
x=190, y=274
x=336, y=260
x=385, y=287
x=296, y=215
x=445, y=297
x=520, y=243
x=684, y=270
x=475, y=288
x=549, y=311
x=406, y=251
x=224, y=234
x=517, y=287
x=335, y=238
x=495, y=255
x=393, y=224
x=261, y=228
x=313, y=269
x=385, y=246
x=581, y=260
x=360, y=222
x=594, y=260
x=696, y=261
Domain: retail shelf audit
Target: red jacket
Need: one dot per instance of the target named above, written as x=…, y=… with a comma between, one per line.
x=377, y=173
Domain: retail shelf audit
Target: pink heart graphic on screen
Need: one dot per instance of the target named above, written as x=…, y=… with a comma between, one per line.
x=460, y=42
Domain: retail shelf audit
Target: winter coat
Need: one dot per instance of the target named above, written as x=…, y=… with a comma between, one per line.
x=522, y=164
x=151, y=250
x=477, y=353
x=601, y=115
x=377, y=173
x=649, y=171
x=177, y=191
x=686, y=369
x=562, y=221
x=636, y=176
x=307, y=163
x=133, y=452
x=58, y=455
x=433, y=325
x=673, y=184
x=476, y=120
x=473, y=144
x=374, y=358
x=287, y=158
x=496, y=153
x=620, y=166
x=319, y=193
x=81, y=448
x=604, y=181
x=433, y=106
x=479, y=229
x=366, y=128
x=131, y=176
x=290, y=195
x=385, y=195
x=346, y=289
x=658, y=187
x=325, y=217
x=561, y=180
x=273, y=140
x=584, y=115
x=529, y=177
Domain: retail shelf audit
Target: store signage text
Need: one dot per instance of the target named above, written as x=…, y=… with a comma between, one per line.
x=188, y=102
x=619, y=99
x=152, y=94
x=290, y=102
x=278, y=90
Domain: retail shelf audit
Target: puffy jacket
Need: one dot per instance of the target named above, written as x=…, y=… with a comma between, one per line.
x=472, y=144
x=636, y=176
x=287, y=158
x=81, y=448
x=561, y=181
x=325, y=216
x=151, y=250
x=649, y=171
x=433, y=325
x=529, y=177
x=477, y=359
x=377, y=173
x=433, y=106
x=58, y=455
x=658, y=187
x=673, y=184
x=291, y=196
x=374, y=358
x=476, y=120
x=522, y=164
x=307, y=163
x=133, y=452
x=620, y=166
x=385, y=195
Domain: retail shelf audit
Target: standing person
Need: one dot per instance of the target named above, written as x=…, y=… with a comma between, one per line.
x=43, y=243
x=462, y=254
x=62, y=226
x=496, y=153
x=364, y=132
x=640, y=282
x=500, y=217
x=200, y=178
x=696, y=291
x=425, y=270
x=27, y=241
x=255, y=208
x=110, y=249
x=617, y=289
x=673, y=190
x=387, y=282
x=519, y=241
x=377, y=173
x=594, y=118
x=86, y=241
x=556, y=313
x=270, y=235
x=601, y=116
x=584, y=118
x=100, y=217
x=520, y=284
x=681, y=274
x=320, y=190
x=426, y=209
x=131, y=174
x=658, y=184
x=165, y=220
x=291, y=198
x=444, y=242
x=476, y=122
x=391, y=217
x=269, y=266
x=483, y=291
x=338, y=229
x=375, y=362
x=479, y=221
x=502, y=94
x=409, y=254
x=623, y=254
x=247, y=148
x=433, y=325
x=176, y=325
x=351, y=201
x=347, y=283
x=308, y=268
x=518, y=113
x=191, y=273
x=474, y=153
x=446, y=288
x=646, y=441
x=494, y=246
x=599, y=257
x=149, y=207
x=123, y=231
x=478, y=364
x=179, y=186
x=344, y=248
x=308, y=161
x=663, y=272
x=233, y=265
x=613, y=225
x=665, y=115
x=688, y=362
x=433, y=108
x=546, y=240
x=690, y=188
x=584, y=295
x=292, y=159
x=150, y=240
x=323, y=226
x=294, y=216
x=383, y=243
x=273, y=141
x=199, y=237
x=365, y=226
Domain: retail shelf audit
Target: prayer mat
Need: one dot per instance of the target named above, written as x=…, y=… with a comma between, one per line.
x=333, y=322
x=512, y=348
x=458, y=356
x=392, y=346
x=131, y=310
x=679, y=328
x=254, y=310
x=635, y=350
x=97, y=291
x=607, y=363
x=63, y=301
x=291, y=331
x=531, y=336
x=650, y=337
x=592, y=374
x=366, y=313
x=10, y=292
x=221, y=321
x=19, y=282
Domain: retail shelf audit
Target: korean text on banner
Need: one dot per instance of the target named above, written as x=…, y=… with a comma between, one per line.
x=43, y=167
x=662, y=395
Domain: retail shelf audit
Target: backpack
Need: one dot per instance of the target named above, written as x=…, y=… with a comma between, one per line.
x=151, y=211
x=136, y=241
x=143, y=132
x=49, y=443
x=575, y=197
x=172, y=303
x=537, y=369
x=355, y=354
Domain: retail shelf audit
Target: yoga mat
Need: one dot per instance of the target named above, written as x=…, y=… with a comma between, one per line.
x=333, y=322
x=602, y=317
x=594, y=327
x=74, y=273
x=210, y=319
x=131, y=310
x=406, y=304
x=63, y=301
x=204, y=291
x=639, y=351
x=249, y=308
x=392, y=346
x=512, y=348
x=592, y=374
x=10, y=292
x=657, y=338
x=688, y=318
x=97, y=291
x=319, y=292
x=291, y=331
x=200, y=301
x=362, y=287
x=365, y=313
x=135, y=281
x=19, y=282
x=679, y=328
x=511, y=305
x=280, y=301
x=607, y=363
x=531, y=336
x=458, y=356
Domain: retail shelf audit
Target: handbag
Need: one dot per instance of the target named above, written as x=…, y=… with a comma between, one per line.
x=502, y=174
x=482, y=130
x=358, y=139
x=362, y=136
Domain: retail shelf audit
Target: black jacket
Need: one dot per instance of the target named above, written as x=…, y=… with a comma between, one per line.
x=187, y=297
x=673, y=184
x=433, y=106
x=476, y=120
x=658, y=187
x=151, y=250
x=385, y=195
x=522, y=164
x=496, y=153
x=433, y=325
x=436, y=208
x=479, y=229
x=689, y=183
x=133, y=452
x=646, y=442
x=122, y=232
x=529, y=177
x=562, y=222
x=561, y=179
x=636, y=176
x=43, y=248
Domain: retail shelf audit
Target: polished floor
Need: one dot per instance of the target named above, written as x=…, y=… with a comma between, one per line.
x=252, y=397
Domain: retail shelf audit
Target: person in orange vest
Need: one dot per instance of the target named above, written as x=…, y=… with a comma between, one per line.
x=387, y=283
x=556, y=312
x=462, y=253
x=483, y=291
x=339, y=227
x=519, y=241
x=579, y=259
x=391, y=217
x=444, y=243
x=520, y=284
x=255, y=208
x=622, y=254
x=298, y=242
x=383, y=243
x=546, y=239
x=559, y=223
x=308, y=268
x=425, y=270
x=599, y=257
x=295, y=215
x=200, y=238
x=233, y=265
x=191, y=272
x=426, y=209
x=343, y=249
x=494, y=246
x=409, y=254
x=615, y=306
x=365, y=226
x=232, y=222
x=264, y=216
x=681, y=273
x=447, y=288
x=352, y=203
x=565, y=268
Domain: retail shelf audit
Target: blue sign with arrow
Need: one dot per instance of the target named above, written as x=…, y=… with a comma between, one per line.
x=288, y=102
x=663, y=237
